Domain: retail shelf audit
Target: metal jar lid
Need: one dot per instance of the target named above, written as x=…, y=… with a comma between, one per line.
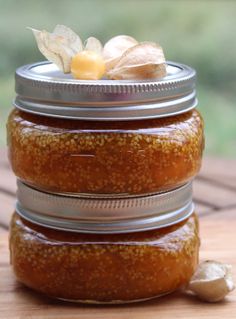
x=42, y=89
x=86, y=215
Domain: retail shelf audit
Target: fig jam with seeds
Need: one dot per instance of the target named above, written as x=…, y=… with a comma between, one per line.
x=83, y=151
x=105, y=137
x=104, y=268
x=131, y=157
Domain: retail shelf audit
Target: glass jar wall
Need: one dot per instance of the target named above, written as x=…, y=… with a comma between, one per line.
x=104, y=268
x=102, y=157
x=81, y=150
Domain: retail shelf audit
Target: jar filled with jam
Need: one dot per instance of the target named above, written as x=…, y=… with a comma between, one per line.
x=104, y=209
x=106, y=137
x=104, y=251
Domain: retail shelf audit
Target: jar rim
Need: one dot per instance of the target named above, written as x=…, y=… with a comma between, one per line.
x=104, y=215
x=42, y=89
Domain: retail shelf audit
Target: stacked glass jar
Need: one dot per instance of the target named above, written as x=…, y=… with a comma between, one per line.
x=104, y=209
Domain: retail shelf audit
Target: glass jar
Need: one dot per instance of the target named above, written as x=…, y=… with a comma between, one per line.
x=105, y=137
x=104, y=251
x=102, y=268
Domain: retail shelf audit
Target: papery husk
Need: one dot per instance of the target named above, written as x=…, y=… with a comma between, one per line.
x=60, y=46
x=72, y=40
x=93, y=44
x=41, y=38
x=212, y=281
x=145, y=60
x=141, y=72
x=115, y=47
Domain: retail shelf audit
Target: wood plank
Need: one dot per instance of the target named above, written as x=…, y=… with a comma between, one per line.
x=3, y=230
x=213, y=195
x=6, y=209
x=218, y=171
x=227, y=183
x=7, y=178
x=17, y=301
x=7, y=181
x=203, y=209
x=230, y=181
x=219, y=167
x=3, y=157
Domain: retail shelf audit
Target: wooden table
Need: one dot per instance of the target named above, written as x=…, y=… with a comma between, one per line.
x=215, y=198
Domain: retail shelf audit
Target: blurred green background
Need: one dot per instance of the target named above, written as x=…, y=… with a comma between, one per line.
x=198, y=33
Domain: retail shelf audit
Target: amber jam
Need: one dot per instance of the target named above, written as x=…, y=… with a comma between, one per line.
x=104, y=268
x=105, y=157
x=81, y=150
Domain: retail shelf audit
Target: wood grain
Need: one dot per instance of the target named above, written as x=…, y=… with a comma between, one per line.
x=215, y=198
x=218, y=242
x=213, y=194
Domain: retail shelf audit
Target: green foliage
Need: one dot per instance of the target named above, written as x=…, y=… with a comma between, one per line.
x=198, y=33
